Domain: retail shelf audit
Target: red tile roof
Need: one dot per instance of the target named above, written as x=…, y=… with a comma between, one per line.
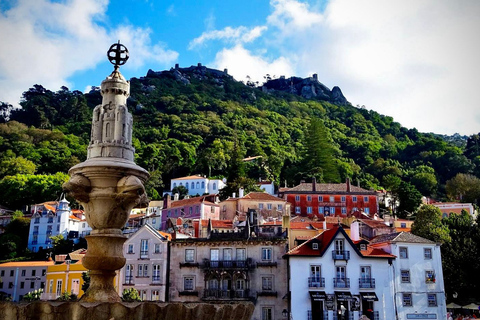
x=272, y=223
x=374, y=223
x=75, y=218
x=191, y=201
x=262, y=196
x=374, y=252
x=326, y=188
x=227, y=224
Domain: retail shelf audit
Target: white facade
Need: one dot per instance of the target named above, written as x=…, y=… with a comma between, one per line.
x=198, y=185
x=419, y=284
x=146, y=267
x=342, y=288
x=19, y=278
x=51, y=219
x=268, y=187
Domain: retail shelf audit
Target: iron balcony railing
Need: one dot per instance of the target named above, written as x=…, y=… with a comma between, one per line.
x=341, y=282
x=143, y=254
x=228, y=264
x=156, y=279
x=366, y=283
x=316, y=282
x=128, y=280
x=340, y=255
x=225, y=294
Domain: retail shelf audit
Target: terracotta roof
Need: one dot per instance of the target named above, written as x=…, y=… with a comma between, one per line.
x=306, y=225
x=272, y=223
x=323, y=240
x=374, y=252
x=374, y=223
x=165, y=235
x=26, y=264
x=327, y=188
x=262, y=196
x=189, y=202
x=52, y=208
x=264, y=182
x=190, y=177
x=219, y=223
x=135, y=216
x=400, y=237
x=75, y=218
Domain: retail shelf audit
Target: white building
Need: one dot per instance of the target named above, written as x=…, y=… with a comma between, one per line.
x=146, y=268
x=267, y=186
x=51, y=219
x=198, y=184
x=333, y=277
x=20, y=277
x=419, y=286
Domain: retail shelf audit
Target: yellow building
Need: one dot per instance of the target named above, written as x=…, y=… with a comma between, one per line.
x=65, y=276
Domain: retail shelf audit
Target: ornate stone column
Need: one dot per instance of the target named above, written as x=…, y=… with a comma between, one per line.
x=108, y=184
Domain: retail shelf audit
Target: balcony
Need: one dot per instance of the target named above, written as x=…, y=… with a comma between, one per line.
x=310, y=316
x=189, y=264
x=316, y=282
x=340, y=255
x=35, y=232
x=341, y=282
x=128, y=280
x=219, y=294
x=155, y=279
x=366, y=283
x=144, y=255
x=267, y=293
x=228, y=264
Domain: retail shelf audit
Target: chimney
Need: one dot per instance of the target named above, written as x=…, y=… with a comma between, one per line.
x=348, y=185
x=354, y=231
x=199, y=65
x=234, y=195
x=314, y=184
x=324, y=224
x=176, y=196
x=177, y=66
x=240, y=193
x=167, y=201
x=225, y=71
x=315, y=76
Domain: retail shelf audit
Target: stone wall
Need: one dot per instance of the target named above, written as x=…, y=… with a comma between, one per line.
x=43, y=310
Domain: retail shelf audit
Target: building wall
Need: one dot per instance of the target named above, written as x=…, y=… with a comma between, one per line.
x=381, y=271
x=64, y=277
x=349, y=204
x=32, y=274
x=151, y=285
x=274, y=271
x=418, y=287
x=192, y=191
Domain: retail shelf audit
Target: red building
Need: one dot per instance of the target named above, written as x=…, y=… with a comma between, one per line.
x=329, y=199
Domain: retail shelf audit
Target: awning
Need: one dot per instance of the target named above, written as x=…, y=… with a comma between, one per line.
x=343, y=295
x=318, y=295
x=369, y=296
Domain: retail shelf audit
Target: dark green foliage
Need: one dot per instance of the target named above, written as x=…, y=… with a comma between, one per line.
x=428, y=224
x=86, y=281
x=13, y=242
x=409, y=198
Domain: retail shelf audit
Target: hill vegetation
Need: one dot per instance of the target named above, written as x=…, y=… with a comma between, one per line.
x=196, y=120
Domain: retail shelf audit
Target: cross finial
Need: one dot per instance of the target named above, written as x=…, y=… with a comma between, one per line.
x=117, y=54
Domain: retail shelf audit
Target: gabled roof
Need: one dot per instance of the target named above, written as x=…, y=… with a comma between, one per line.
x=262, y=196
x=307, y=225
x=190, y=177
x=74, y=218
x=191, y=201
x=324, y=241
x=217, y=224
x=326, y=188
x=400, y=237
x=374, y=223
x=26, y=264
x=272, y=223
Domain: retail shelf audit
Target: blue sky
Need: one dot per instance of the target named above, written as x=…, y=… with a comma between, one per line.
x=414, y=60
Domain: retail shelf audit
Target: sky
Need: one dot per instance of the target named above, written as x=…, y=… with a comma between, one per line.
x=416, y=61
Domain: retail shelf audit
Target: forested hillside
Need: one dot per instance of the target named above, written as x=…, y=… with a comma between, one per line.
x=201, y=121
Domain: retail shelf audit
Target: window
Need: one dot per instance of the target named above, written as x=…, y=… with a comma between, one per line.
x=266, y=254
x=432, y=299
x=227, y=254
x=269, y=206
x=11, y=273
x=297, y=198
x=2, y=274
x=143, y=294
x=59, y=287
x=50, y=220
x=24, y=272
x=344, y=210
x=344, y=199
x=198, y=185
x=403, y=253
x=145, y=270
x=403, y=225
x=363, y=246
x=260, y=206
x=332, y=199
x=157, y=247
x=241, y=254
x=37, y=220
x=144, y=248
x=44, y=272
x=332, y=210
x=140, y=270
x=189, y=255
x=407, y=300
x=320, y=198
x=1, y=285
x=339, y=246
x=214, y=186
x=320, y=210
x=267, y=283
x=427, y=253
x=156, y=273
x=354, y=199
x=429, y=276
x=315, y=246
x=365, y=199
x=188, y=283
x=214, y=257
x=279, y=207
x=405, y=275
x=366, y=210
x=267, y=313
x=203, y=184
x=130, y=248
x=155, y=295
x=50, y=287
x=154, y=221
x=192, y=185
x=309, y=210
x=309, y=198
x=34, y=273
x=10, y=285
x=32, y=285
x=22, y=285
x=297, y=210
x=75, y=286
x=58, y=219
x=365, y=273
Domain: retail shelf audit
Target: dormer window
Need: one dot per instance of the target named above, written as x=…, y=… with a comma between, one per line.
x=363, y=246
x=315, y=246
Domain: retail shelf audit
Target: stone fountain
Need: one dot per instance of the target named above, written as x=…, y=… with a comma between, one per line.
x=108, y=184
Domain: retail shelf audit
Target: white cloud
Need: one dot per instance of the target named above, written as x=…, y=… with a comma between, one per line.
x=413, y=60
x=236, y=35
x=241, y=63
x=46, y=42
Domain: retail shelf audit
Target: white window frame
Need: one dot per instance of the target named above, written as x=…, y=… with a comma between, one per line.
x=267, y=283
x=189, y=255
x=403, y=252
x=297, y=198
x=432, y=299
x=407, y=299
x=298, y=210
x=320, y=198
x=189, y=283
x=267, y=254
x=427, y=256
x=405, y=278
x=267, y=313
x=309, y=210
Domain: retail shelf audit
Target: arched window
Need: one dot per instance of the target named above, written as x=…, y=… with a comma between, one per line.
x=174, y=184
x=198, y=185
x=203, y=184
x=192, y=186
x=107, y=129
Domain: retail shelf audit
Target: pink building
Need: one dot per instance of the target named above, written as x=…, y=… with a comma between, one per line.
x=203, y=207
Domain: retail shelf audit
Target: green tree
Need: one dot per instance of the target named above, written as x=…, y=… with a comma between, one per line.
x=181, y=190
x=428, y=224
x=248, y=185
x=409, y=198
x=464, y=187
x=131, y=295
x=320, y=153
x=86, y=281
x=18, y=165
x=61, y=245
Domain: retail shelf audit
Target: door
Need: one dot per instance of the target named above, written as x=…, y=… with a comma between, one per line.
x=315, y=277
x=75, y=286
x=341, y=277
